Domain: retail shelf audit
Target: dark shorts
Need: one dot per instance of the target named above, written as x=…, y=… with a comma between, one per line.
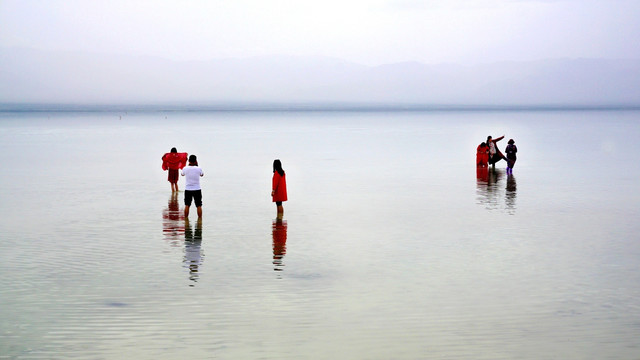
x=196, y=195
x=173, y=176
x=278, y=203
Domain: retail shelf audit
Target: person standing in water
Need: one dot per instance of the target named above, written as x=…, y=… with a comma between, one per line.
x=494, y=153
x=192, y=190
x=278, y=187
x=173, y=162
x=511, y=151
x=482, y=155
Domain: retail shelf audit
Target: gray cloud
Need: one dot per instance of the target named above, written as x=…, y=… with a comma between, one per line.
x=370, y=32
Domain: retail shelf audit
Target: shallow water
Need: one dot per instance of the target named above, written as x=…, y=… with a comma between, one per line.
x=393, y=246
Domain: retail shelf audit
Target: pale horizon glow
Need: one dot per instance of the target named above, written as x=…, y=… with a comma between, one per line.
x=370, y=32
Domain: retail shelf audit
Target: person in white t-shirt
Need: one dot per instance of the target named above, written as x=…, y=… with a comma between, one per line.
x=192, y=190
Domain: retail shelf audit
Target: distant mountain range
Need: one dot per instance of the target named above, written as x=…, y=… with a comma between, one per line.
x=33, y=76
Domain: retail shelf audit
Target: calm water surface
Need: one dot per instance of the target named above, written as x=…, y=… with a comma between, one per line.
x=392, y=246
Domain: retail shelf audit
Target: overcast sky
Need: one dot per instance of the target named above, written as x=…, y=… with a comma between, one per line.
x=370, y=32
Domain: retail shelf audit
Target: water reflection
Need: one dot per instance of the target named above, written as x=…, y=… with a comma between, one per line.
x=172, y=224
x=510, y=195
x=193, y=254
x=489, y=189
x=279, y=234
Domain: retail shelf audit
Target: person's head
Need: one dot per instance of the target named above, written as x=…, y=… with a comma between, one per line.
x=277, y=166
x=483, y=144
x=511, y=142
x=174, y=150
x=193, y=160
x=489, y=139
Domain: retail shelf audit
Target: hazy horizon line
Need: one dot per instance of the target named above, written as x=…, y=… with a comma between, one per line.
x=316, y=56
x=297, y=106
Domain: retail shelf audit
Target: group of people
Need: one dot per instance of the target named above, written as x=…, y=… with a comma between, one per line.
x=176, y=163
x=488, y=153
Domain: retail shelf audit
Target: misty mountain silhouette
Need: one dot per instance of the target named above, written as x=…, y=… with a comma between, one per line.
x=34, y=76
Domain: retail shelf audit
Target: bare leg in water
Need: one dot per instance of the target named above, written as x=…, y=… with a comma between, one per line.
x=198, y=210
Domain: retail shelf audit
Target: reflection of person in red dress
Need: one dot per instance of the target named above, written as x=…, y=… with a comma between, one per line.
x=279, y=233
x=174, y=161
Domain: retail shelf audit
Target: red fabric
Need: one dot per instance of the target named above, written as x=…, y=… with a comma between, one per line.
x=279, y=185
x=482, y=156
x=173, y=176
x=174, y=161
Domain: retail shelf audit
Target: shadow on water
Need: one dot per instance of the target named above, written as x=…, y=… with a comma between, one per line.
x=172, y=222
x=279, y=234
x=193, y=254
x=492, y=187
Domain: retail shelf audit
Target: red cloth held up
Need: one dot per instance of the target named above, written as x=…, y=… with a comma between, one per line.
x=175, y=161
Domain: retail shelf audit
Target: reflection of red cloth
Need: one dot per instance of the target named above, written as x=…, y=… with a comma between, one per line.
x=279, y=183
x=482, y=155
x=174, y=161
x=482, y=174
x=173, y=222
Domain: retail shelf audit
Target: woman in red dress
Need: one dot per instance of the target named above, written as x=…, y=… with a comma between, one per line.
x=482, y=155
x=174, y=161
x=278, y=187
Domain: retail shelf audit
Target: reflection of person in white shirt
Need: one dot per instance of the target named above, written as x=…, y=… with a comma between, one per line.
x=193, y=256
x=494, y=153
x=192, y=190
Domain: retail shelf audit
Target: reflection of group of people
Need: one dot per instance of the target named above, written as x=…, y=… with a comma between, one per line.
x=174, y=161
x=492, y=187
x=488, y=153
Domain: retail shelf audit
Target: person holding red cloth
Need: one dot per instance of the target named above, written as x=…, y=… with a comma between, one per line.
x=482, y=155
x=174, y=162
x=278, y=187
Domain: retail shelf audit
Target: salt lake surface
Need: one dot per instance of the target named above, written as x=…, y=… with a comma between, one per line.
x=393, y=246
